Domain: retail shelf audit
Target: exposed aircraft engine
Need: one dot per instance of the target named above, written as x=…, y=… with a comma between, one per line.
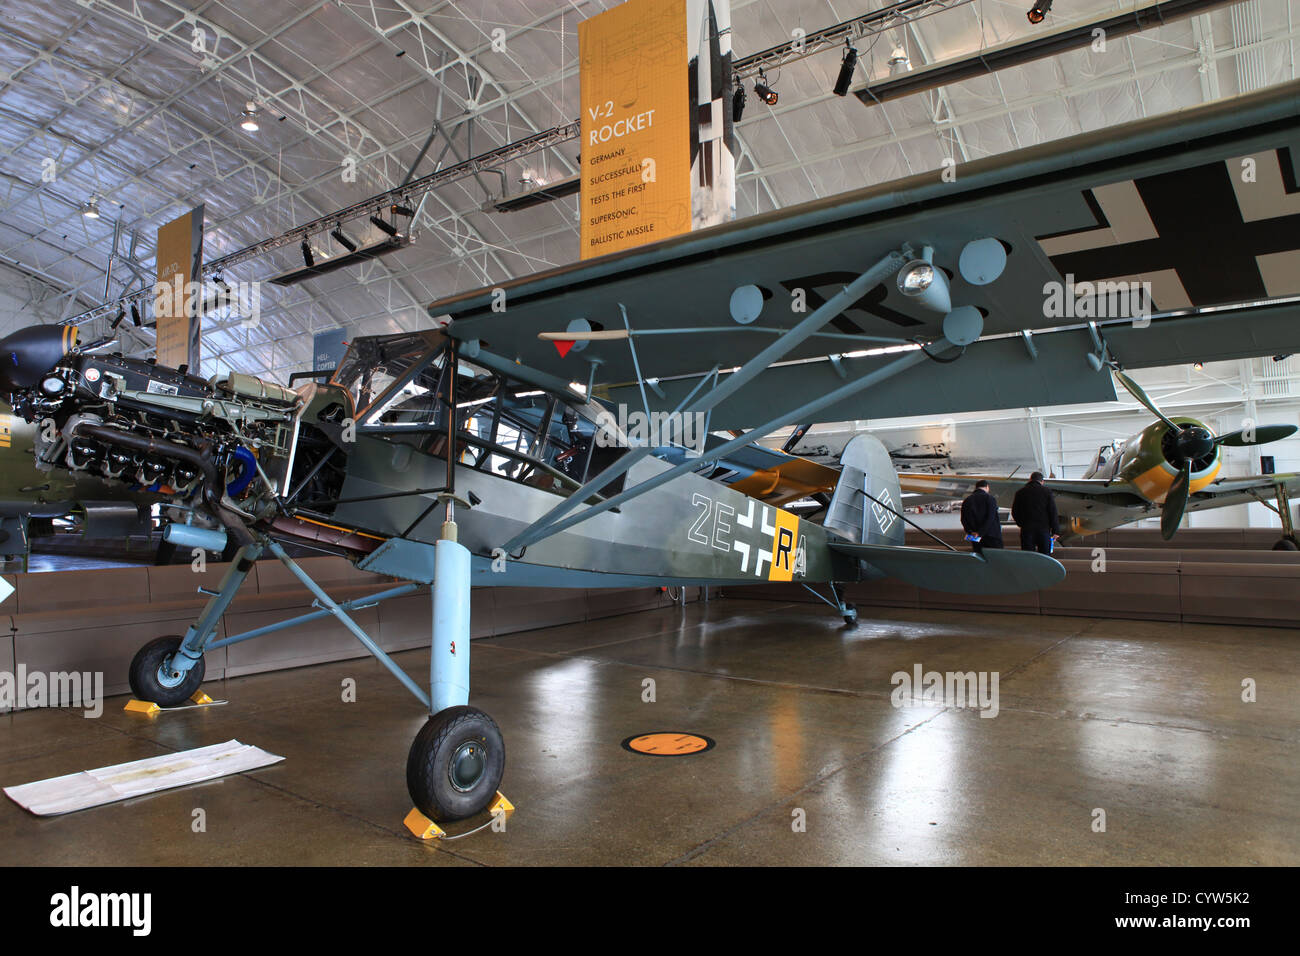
x=212, y=450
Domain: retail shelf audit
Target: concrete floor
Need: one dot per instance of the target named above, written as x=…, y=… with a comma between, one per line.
x=1143, y=720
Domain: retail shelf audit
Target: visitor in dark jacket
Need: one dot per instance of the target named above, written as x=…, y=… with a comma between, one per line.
x=979, y=518
x=1034, y=510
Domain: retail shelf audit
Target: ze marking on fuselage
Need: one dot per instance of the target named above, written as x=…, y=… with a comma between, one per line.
x=772, y=542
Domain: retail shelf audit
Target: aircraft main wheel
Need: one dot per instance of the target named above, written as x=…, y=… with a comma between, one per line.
x=455, y=764
x=850, y=615
x=1286, y=544
x=153, y=679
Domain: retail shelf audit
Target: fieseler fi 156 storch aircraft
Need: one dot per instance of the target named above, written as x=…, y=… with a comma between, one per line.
x=470, y=455
x=1168, y=468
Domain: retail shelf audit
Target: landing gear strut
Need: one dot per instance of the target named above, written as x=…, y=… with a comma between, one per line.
x=457, y=759
x=850, y=612
x=1289, y=541
x=846, y=610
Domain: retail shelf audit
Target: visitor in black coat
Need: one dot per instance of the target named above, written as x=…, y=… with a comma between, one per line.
x=979, y=517
x=1034, y=510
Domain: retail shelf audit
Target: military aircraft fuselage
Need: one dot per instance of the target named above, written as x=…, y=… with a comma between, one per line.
x=1150, y=460
x=361, y=459
x=692, y=530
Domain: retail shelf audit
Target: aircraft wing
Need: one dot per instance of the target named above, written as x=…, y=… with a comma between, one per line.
x=1095, y=503
x=960, y=572
x=1242, y=491
x=773, y=476
x=1073, y=495
x=1258, y=483
x=1106, y=205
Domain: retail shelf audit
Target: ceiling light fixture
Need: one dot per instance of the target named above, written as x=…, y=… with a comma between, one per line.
x=341, y=238
x=1039, y=11
x=307, y=257
x=382, y=226
x=91, y=209
x=249, y=120
x=847, y=66
x=765, y=92
x=738, y=102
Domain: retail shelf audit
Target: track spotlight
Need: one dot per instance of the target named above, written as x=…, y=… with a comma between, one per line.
x=121, y=314
x=738, y=102
x=248, y=119
x=763, y=91
x=847, y=66
x=1039, y=10
x=406, y=211
x=338, y=236
x=91, y=209
x=307, y=258
x=382, y=226
x=135, y=315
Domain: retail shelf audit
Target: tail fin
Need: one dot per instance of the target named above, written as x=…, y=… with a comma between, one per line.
x=865, y=465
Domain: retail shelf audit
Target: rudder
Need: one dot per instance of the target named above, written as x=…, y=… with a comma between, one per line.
x=865, y=465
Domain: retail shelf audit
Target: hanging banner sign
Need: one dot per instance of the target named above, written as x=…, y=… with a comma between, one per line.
x=328, y=349
x=636, y=126
x=178, y=294
x=657, y=130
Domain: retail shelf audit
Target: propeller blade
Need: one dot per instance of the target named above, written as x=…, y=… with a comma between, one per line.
x=1261, y=435
x=1171, y=513
x=1136, y=391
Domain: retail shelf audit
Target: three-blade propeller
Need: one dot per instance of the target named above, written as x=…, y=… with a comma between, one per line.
x=1193, y=441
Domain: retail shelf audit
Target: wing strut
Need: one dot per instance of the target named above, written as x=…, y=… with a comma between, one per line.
x=551, y=522
x=539, y=530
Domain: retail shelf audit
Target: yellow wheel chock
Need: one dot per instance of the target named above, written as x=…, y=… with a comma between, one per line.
x=150, y=709
x=425, y=829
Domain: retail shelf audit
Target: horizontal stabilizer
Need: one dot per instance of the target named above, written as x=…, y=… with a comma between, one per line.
x=961, y=572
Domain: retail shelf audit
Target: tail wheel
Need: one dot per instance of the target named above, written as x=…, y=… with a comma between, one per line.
x=455, y=764
x=153, y=678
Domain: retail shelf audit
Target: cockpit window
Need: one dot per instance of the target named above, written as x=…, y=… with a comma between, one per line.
x=505, y=428
x=372, y=363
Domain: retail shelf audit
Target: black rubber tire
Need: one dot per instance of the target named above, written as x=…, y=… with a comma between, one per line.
x=851, y=620
x=1286, y=544
x=429, y=766
x=144, y=674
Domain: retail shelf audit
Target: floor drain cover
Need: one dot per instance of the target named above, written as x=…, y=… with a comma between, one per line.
x=668, y=744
